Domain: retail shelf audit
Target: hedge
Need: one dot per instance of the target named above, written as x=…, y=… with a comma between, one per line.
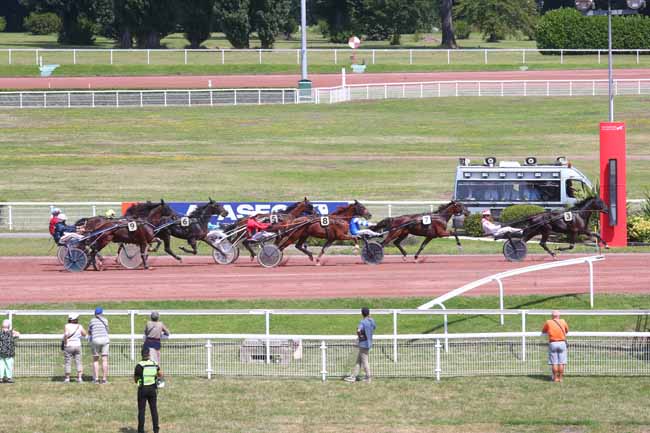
x=567, y=28
x=43, y=24
x=473, y=225
x=3, y=24
x=519, y=212
x=638, y=229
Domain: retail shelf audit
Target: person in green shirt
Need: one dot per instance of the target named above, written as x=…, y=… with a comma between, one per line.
x=146, y=375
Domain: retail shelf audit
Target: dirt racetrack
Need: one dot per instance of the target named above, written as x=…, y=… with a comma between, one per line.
x=39, y=279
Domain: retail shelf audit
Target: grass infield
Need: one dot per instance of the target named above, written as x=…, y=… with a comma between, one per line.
x=389, y=150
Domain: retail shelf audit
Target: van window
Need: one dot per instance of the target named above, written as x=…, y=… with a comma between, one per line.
x=508, y=191
x=575, y=188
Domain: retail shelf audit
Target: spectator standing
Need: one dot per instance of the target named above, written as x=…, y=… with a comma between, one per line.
x=7, y=351
x=365, y=331
x=72, y=334
x=556, y=329
x=146, y=375
x=153, y=333
x=99, y=341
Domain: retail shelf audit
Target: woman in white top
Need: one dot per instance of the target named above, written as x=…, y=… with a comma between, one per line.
x=72, y=334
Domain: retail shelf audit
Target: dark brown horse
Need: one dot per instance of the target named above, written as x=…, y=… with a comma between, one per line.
x=428, y=225
x=136, y=232
x=572, y=222
x=337, y=229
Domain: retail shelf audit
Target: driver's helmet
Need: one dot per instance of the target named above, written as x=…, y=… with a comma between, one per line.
x=56, y=211
x=110, y=213
x=486, y=213
x=62, y=217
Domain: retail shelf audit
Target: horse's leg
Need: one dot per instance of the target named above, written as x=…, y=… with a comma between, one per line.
x=460, y=247
x=322, y=252
x=168, y=247
x=143, y=254
x=301, y=245
x=249, y=248
x=158, y=242
x=425, y=242
x=542, y=243
x=600, y=240
x=398, y=243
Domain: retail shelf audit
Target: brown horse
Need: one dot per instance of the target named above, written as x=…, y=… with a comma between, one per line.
x=572, y=222
x=336, y=229
x=136, y=232
x=435, y=226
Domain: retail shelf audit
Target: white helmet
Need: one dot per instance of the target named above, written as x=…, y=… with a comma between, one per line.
x=62, y=217
x=486, y=212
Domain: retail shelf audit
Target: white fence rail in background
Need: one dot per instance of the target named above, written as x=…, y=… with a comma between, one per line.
x=483, y=88
x=332, y=356
x=34, y=216
x=146, y=98
x=317, y=56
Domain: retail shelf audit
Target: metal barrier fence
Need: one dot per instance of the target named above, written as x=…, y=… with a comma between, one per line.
x=407, y=356
x=146, y=98
x=34, y=216
x=440, y=89
x=318, y=56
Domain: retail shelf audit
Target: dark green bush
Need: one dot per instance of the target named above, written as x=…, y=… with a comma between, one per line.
x=473, y=225
x=519, y=212
x=43, y=23
x=3, y=24
x=462, y=29
x=567, y=28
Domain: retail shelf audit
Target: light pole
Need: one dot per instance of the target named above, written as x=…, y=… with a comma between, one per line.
x=585, y=6
x=304, y=85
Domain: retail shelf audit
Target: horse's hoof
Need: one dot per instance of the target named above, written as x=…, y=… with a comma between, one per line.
x=318, y=263
x=404, y=258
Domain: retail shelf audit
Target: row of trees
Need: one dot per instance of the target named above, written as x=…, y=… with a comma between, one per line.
x=143, y=23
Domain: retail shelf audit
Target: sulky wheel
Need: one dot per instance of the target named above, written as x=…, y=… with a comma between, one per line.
x=269, y=256
x=61, y=251
x=372, y=253
x=75, y=260
x=129, y=256
x=226, y=252
x=515, y=250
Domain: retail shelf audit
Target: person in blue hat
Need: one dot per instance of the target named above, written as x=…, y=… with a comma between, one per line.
x=99, y=341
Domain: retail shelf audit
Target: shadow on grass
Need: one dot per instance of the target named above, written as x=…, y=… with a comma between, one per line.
x=128, y=430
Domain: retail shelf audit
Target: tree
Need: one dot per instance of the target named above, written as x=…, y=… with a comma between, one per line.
x=337, y=14
x=14, y=12
x=267, y=18
x=381, y=19
x=78, y=17
x=197, y=17
x=234, y=19
x=446, y=21
x=498, y=19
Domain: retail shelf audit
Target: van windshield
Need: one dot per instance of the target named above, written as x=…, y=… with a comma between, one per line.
x=508, y=191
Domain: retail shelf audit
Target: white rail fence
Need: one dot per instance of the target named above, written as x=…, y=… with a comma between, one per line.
x=333, y=56
x=34, y=216
x=147, y=98
x=332, y=356
x=483, y=88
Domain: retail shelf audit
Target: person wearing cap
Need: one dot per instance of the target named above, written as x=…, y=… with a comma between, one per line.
x=72, y=334
x=493, y=229
x=153, y=333
x=7, y=351
x=99, y=341
x=60, y=228
x=365, y=331
x=54, y=218
x=146, y=375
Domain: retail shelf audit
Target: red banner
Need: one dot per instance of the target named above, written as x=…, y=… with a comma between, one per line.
x=612, y=183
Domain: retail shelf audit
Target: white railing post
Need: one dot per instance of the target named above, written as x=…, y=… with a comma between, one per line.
x=395, y=336
x=37, y=56
x=438, y=366
x=297, y=57
x=44, y=99
x=165, y=98
x=403, y=90
x=445, y=320
x=479, y=88
x=525, y=88
x=373, y=57
x=235, y=97
x=92, y=99
x=591, y=283
x=74, y=56
x=21, y=99
x=410, y=57
x=502, y=88
x=561, y=57
x=111, y=57
x=267, y=331
x=141, y=99
x=523, y=56
x=456, y=88
x=449, y=57
x=11, y=218
x=185, y=59
x=439, y=90
x=485, y=56
x=208, y=356
x=94, y=210
x=421, y=90
x=223, y=56
x=259, y=97
x=599, y=57
x=336, y=57
x=68, y=99
x=117, y=99
x=593, y=88
x=638, y=83
x=282, y=96
x=323, y=351
x=570, y=88
x=637, y=57
x=10, y=56
x=390, y=210
x=148, y=57
x=548, y=88
x=132, y=314
x=385, y=91
x=523, y=335
x=260, y=55
x=500, y=300
x=211, y=98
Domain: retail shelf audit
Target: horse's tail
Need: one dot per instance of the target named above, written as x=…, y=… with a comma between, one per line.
x=383, y=225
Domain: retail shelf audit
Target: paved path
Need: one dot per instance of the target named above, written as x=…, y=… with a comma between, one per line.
x=290, y=81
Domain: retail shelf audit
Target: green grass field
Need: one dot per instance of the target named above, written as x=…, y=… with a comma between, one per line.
x=391, y=150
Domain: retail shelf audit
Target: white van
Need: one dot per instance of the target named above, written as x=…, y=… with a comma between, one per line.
x=496, y=184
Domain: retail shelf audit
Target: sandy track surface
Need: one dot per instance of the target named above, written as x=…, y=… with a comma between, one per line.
x=38, y=279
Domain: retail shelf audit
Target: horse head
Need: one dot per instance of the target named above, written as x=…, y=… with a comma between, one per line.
x=214, y=208
x=361, y=210
x=458, y=208
x=599, y=205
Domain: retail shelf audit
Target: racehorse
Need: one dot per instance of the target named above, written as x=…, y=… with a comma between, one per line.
x=338, y=229
x=572, y=222
x=122, y=231
x=298, y=209
x=400, y=227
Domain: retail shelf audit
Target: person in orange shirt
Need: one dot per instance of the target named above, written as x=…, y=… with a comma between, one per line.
x=556, y=329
